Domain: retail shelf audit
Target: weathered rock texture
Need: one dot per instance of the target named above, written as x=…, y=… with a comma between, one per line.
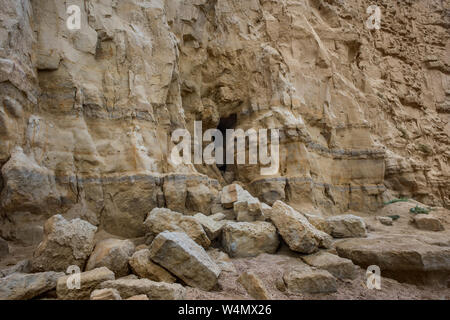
x=20, y=286
x=88, y=282
x=179, y=254
x=86, y=115
x=66, y=243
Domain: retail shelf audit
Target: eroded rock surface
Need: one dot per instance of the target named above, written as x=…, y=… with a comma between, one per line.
x=65, y=243
x=179, y=254
x=248, y=239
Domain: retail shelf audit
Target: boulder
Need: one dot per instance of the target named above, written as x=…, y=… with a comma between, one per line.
x=154, y=290
x=339, y=267
x=387, y=221
x=144, y=267
x=212, y=227
x=402, y=257
x=18, y=286
x=249, y=239
x=347, y=226
x=299, y=234
x=428, y=222
x=113, y=254
x=246, y=207
x=179, y=254
x=65, y=243
x=254, y=286
x=88, y=282
x=303, y=279
x=105, y=294
x=200, y=197
x=230, y=194
x=160, y=219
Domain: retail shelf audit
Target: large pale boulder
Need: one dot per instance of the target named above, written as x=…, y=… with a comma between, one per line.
x=428, y=222
x=401, y=257
x=142, y=265
x=88, y=282
x=179, y=254
x=303, y=279
x=154, y=290
x=18, y=286
x=65, y=243
x=161, y=219
x=347, y=226
x=339, y=267
x=296, y=230
x=249, y=239
x=113, y=254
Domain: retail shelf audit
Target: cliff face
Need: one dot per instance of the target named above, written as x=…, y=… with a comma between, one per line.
x=86, y=116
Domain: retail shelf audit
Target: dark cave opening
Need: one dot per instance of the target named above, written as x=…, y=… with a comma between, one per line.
x=224, y=124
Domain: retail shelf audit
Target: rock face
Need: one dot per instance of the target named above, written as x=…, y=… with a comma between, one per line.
x=296, y=230
x=179, y=254
x=112, y=254
x=248, y=239
x=401, y=257
x=347, y=226
x=303, y=279
x=428, y=222
x=142, y=266
x=88, y=282
x=101, y=132
x=160, y=219
x=339, y=267
x=18, y=286
x=65, y=243
x=154, y=290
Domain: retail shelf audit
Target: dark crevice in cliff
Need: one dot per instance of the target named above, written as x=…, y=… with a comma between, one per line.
x=224, y=124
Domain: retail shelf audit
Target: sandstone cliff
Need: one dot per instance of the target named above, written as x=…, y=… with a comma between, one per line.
x=86, y=116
